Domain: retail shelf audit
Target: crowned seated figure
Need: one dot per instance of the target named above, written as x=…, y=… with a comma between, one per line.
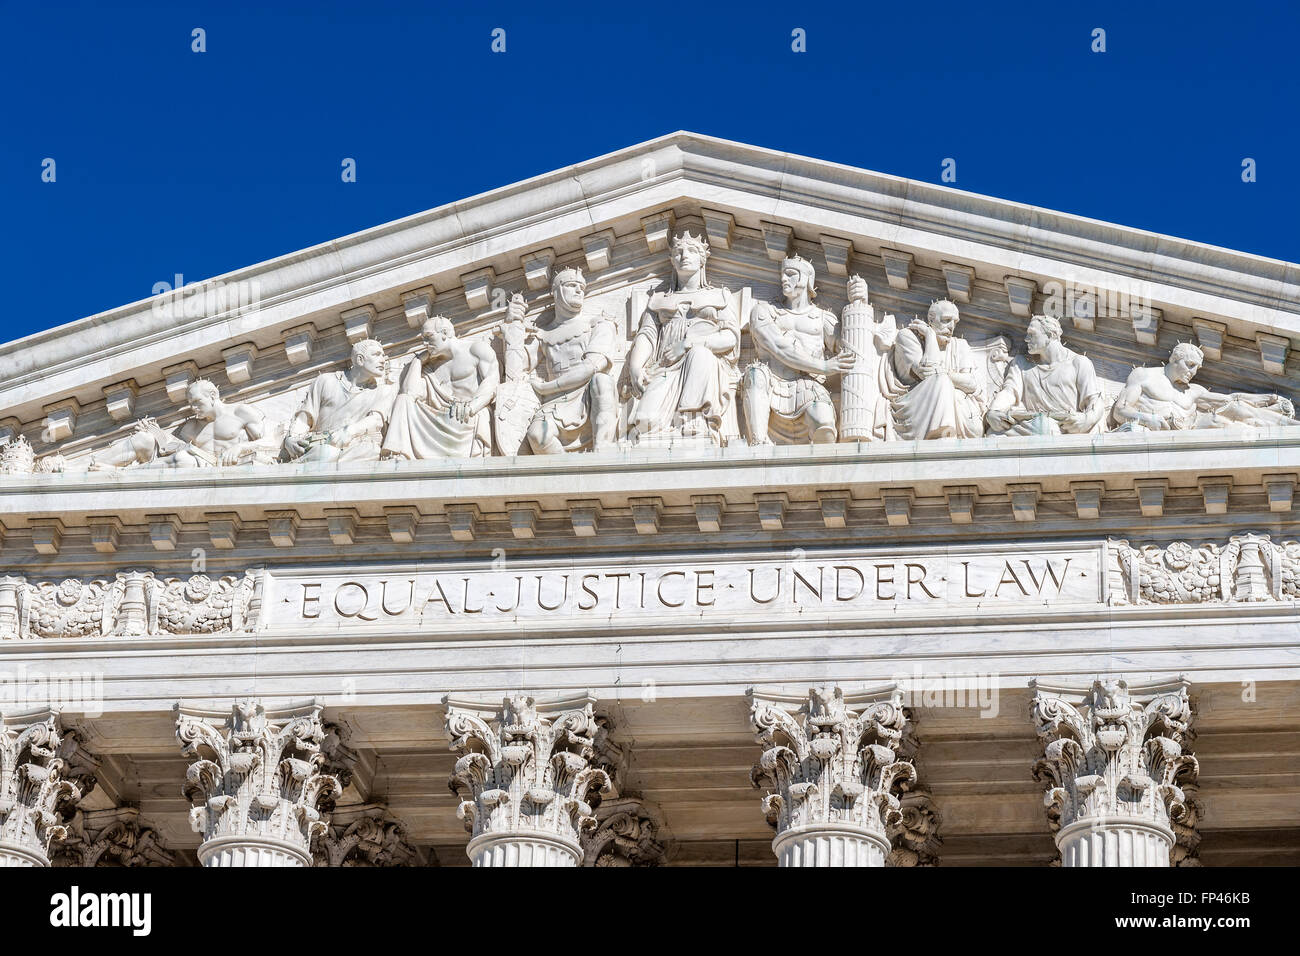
x=682, y=364
x=1166, y=399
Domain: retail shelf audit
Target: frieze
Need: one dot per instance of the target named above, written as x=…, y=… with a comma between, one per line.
x=133, y=604
x=567, y=377
x=1247, y=568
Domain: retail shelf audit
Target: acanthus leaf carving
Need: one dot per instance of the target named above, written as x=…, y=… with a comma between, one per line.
x=1114, y=758
x=257, y=776
x=525, y=773
x=39, y=787
x=367, y=836
x=826, y=766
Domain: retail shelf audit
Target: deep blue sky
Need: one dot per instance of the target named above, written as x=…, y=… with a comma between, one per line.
x=171, y=161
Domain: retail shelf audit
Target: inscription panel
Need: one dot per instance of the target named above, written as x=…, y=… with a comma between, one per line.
x=855, y=584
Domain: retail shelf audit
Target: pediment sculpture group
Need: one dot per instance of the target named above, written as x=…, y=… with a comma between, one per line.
x=555, y=388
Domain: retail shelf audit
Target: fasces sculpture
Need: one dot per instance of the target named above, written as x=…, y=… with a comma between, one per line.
x=682, y=365
x=864, y=405
x=215, y=433
x=785, y=389
x=1166, y=399
x=343, y=414
x=440, y=410
x=1048, y=391
x=933, y=379
x=569, y=361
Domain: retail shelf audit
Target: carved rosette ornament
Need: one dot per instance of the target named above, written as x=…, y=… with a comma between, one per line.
x=834, y=776
x=1115, y=769
x=527, y=783
x=36, y=792
x=256, y=785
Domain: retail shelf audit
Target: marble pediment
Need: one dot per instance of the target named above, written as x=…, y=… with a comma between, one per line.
x=80, y=395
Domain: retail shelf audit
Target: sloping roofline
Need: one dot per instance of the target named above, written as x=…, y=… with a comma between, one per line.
x=1254, y=293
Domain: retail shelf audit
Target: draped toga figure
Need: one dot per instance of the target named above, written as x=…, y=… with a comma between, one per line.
x=1049, y=391
x=442, y=412
x=343, y=414
x=933, y=381
x=682, y=365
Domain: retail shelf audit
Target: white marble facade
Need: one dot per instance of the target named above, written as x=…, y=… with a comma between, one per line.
x=544, y=497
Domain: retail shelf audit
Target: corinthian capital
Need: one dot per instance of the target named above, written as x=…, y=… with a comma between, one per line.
x=832, y=770
x=256, y=783
x=525, y=777
x=1113, y=759
x=38, y=789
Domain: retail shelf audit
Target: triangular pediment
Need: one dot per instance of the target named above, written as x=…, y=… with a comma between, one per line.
x=263, y=333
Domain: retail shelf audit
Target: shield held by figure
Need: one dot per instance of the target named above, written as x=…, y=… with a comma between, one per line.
x=516, y=404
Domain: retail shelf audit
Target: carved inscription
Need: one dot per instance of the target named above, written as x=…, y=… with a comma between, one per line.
x=878, y=583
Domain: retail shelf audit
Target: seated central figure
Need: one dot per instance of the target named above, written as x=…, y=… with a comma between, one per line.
x=933, y=381
x=682, y=364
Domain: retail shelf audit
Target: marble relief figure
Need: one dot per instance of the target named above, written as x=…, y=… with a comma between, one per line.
x=864, y=405
x=682, y=364
x=1048, y=391
x=934, y=379
x=571, y=402
x=1166, y=399
x=441, y=408
x=215, y=433
x=343, y=415
x=785, y=390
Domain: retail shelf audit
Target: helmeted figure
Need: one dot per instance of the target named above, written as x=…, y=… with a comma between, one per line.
x=785, y=390
x=572, y=401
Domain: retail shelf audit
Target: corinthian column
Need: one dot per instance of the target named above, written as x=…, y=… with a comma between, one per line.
x=832, y=774
x=527, y=782
x=34, y=789
x=1114, y=768
x=256, y=784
